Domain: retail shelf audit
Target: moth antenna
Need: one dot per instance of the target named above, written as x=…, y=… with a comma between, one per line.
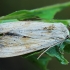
x=43, y=52
x=48, y=49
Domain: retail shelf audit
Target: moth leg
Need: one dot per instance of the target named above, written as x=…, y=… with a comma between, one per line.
x=61, y=48
x=43, y=52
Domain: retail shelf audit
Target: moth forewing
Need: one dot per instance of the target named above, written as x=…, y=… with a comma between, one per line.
x=24, y=37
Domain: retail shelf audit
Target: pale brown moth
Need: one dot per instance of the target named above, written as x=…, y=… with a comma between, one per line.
x=22, y=37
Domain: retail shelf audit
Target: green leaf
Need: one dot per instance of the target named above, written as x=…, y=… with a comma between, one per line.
x=43, y=13
x=11, y=20
x=53, y=52
x=41, y=63
x=66, y=22
x=67, y=41
x=20, y=15
x=67, y=47
x=50, y=11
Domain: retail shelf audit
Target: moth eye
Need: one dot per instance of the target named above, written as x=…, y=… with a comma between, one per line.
x=68, y=37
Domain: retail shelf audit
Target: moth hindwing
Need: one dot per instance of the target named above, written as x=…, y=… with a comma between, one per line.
x=22, y=37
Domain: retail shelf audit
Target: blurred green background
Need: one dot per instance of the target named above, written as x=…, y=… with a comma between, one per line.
x=18, y=63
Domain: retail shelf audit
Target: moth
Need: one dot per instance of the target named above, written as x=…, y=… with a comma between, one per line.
x=22, y=37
